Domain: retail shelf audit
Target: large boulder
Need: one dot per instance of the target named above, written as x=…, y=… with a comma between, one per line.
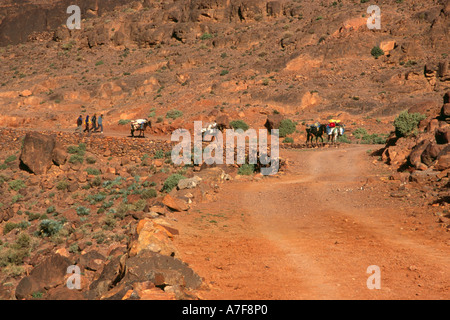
x=48, y=274
x=154, y=237
x=273, y=121
x=223, y=122
x=188, y=183
x=37, y=152
x=162, y=270
x=431, y=153
x=111, y=275
x=443, y=159
x=415, y=157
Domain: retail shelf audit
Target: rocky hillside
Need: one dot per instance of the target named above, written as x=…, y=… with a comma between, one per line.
x=105, y=202
x=419, y=152
x=307, y=59
x=102, y=204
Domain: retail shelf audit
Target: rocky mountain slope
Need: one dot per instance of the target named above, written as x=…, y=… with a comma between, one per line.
x=105, y=202
x=307, y=59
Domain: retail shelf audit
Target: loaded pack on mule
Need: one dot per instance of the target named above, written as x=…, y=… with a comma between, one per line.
x=140, y=125
x=334, y=130
x=316, y=130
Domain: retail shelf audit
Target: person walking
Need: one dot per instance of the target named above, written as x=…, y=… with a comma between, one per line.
x=79, y=123
x=100, y=123
x=94, y=122
x=87, y=122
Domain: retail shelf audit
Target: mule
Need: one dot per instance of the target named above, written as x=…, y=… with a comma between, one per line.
x=334, y=132
x=314, y=131
x=140, y=125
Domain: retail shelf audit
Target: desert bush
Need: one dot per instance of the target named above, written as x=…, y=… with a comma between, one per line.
x=239, y=124
x=174, y=114
x=406, y=123
x=10, y=158
x=172, y=181
x=76, y=158
x=91, y=160
x=48, y=227
x=374, y=139
x=16, y=185
x=11, y=226
x=123, y=122
x=83, y=211
x=344, y=139
x=16, y=252
x=159, y=154
x=62, y=185
x=359, y=133
x=149, y=193
x=376, y=52
x=78, y=150
x=288, y=140
x=206, y=36
x=93, y=171
x=246, y=169
x=287, y=126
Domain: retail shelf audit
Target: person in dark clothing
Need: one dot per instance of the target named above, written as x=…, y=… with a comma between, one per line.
x=87, y=122
x=79, y=124
x=94, y=122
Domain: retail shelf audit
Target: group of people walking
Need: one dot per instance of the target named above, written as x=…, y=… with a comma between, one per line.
x=93, y=123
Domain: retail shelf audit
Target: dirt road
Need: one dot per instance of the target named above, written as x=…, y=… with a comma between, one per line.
x=312, y=234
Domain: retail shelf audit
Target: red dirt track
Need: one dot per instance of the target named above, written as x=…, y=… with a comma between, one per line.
x=312, y=234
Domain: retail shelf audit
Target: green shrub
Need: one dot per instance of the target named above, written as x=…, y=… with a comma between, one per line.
x=246, y=169
x=149, y=193
x=406, y=123
x=51, y=209
x=109, y=222
x=374, y=139
x=91, y=160
x=16, y=185
x=62, y=185
x=123, y=122
x=93, y=171
x=10, y=159
x=76, y=158
x=344, y=139
x=159, y=154
x=288, y=140
x=11, y=226
x=172, y=181
x=206, y=36
x=32, y=216
x=174, y=114
x=287, y=127
x=83, y=211
x=359, y=133
x=376, y=52
x=78, y=150
x=48, y=227
x=17, y=251
x=239, y=124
